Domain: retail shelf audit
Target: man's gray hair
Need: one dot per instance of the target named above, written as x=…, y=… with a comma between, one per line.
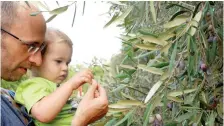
x=8, y=13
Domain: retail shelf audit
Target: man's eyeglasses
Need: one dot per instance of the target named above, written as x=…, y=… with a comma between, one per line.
x=32, y=47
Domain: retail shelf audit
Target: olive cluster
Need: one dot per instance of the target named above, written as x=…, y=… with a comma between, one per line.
x=155, y=120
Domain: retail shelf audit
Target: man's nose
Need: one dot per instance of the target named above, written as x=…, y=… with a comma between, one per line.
x=36, y=59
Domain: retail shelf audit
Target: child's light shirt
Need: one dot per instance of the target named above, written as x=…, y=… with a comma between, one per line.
x=31, y=91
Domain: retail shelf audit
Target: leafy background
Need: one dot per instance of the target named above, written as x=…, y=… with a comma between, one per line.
x=170, y=70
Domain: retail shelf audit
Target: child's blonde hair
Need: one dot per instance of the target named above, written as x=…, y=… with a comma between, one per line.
x=54, y=35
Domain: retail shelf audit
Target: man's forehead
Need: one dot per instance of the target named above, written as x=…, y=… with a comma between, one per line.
x=29, y=28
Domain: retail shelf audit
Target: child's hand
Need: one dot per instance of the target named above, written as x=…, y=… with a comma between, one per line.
x=81, y=78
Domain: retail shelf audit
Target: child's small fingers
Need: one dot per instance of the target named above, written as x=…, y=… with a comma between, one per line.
x=90, y=74
x=88, y=80
x=85, y=79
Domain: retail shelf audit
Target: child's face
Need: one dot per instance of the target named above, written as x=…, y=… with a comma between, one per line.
x=55, y=62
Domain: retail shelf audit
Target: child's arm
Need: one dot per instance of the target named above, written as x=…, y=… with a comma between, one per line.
x=49, y=106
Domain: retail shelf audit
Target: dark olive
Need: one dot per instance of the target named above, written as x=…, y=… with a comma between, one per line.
x=210, y=39
x=203, y=67
x=214, y=39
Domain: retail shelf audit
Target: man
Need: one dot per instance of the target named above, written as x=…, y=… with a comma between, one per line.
x=22, y=39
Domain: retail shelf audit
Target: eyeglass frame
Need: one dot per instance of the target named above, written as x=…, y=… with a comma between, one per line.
x=30, y=46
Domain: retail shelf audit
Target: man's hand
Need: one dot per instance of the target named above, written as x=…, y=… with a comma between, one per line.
x=81, y=78
x=92, y=107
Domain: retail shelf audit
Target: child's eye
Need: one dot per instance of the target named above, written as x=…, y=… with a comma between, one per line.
x=58, y=61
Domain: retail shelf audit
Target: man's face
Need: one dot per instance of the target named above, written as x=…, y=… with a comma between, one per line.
x=15, y=58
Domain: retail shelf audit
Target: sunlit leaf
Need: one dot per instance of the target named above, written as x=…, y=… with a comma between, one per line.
x=189, y=99
x=178, y=93
x=128, y=96
x=73, y=20
x=51, y=18
x=212, y=52
x=122, y=75
x=111, y=21
x=147, y=114
x=166, y=48
x=168, y=31
x=147, y=32
x=166, y=36
x=115, y=110
x=165, y=75
x=198, y=118
x=195, y=22
x=173, y=57
x=125, y=80
x=160, y=65
x=118, y=106
x=191, y=58
x=128, y=115
x=136, y=89
x=211, y=119
x=193, y=54
x=127, y=66
x=178, y=13
x=184, y=116
x=120, y=87
x=35, y=13
x=125, y=14
x=151, y=69
x=146, y=46
x=176, y=99
x=153, y=90
x=111, y=122
x=203, y=97
x=59, y=10
x=153, y=11
x=144, y=55
x=152, y=39
x=176, y=22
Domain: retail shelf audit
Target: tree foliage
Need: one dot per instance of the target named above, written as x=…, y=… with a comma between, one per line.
x=171, y=62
